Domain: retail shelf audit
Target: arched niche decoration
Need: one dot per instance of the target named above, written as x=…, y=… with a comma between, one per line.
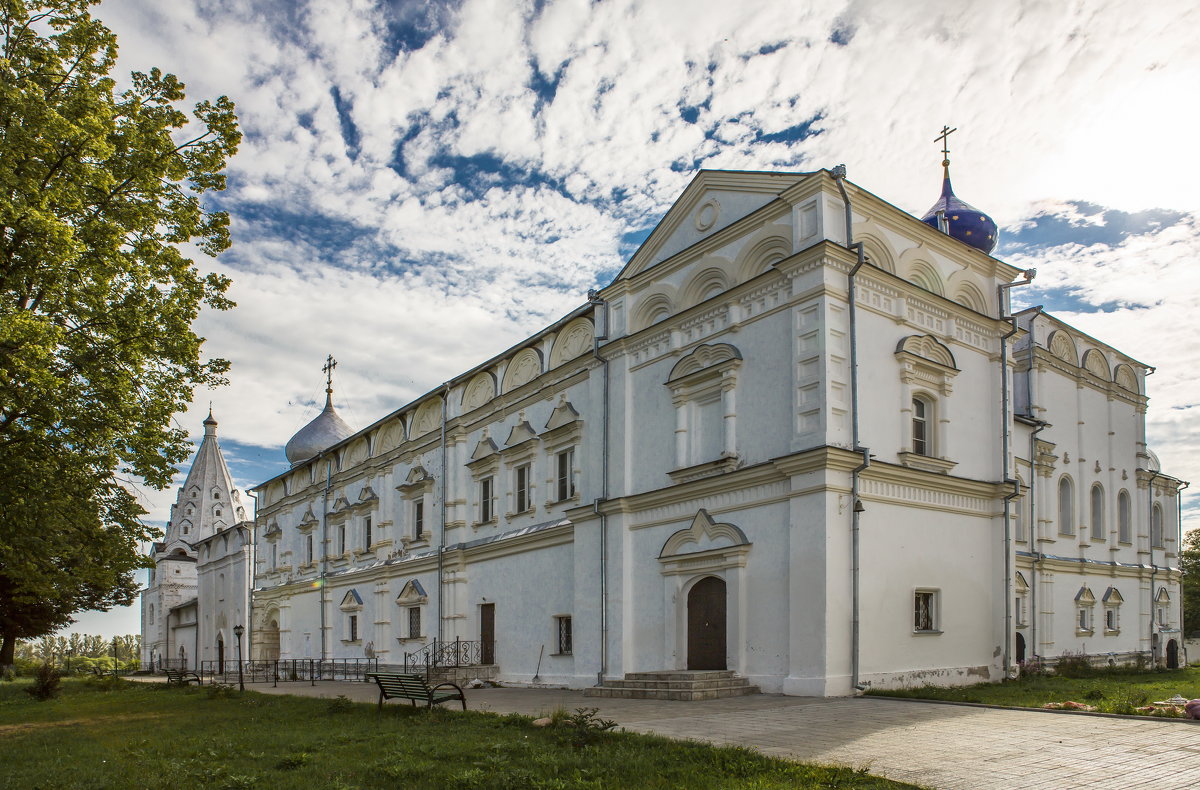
x=877, y=251
x=929, y=348
x=706, y=284
x=358, y=452
x=390, y=436
x=925, y=363
x=524, y=367
x=653, y=307
x=703, y=357
x=705, y=536
x=573, y=340
x=1126, y=378
x=968, y=294
x=428, y=417
x=1063, y=347
x=479, y=391
x=1095, y=363
x=925, y=275
x=768, y=246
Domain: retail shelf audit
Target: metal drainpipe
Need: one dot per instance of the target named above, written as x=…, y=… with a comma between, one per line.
x=321, y=548
x=1005, y=421
x=1178, y=555
x=856, y=507
x=601, y=304
x=1153, y=568
x=250, y=577
x=442, y=539
x=1036, y=565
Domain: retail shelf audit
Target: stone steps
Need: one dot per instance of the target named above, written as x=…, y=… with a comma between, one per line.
x=675, y=685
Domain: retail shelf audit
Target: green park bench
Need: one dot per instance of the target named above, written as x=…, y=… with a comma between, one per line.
x=413, y=688
x=181, y=677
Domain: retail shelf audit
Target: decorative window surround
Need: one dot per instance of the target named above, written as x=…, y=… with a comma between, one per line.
x=520, y=451
x=1112, y=611
x=927, y=371
x=416, y=490
x=484, y=463
x=412, y=596
x=707, y=373
x=351, y=607
x=562, y=433
x=1021, y=612
x=1085, y=603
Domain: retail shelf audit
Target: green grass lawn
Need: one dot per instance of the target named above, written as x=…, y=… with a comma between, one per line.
x=1116, y=691
x=121, y=734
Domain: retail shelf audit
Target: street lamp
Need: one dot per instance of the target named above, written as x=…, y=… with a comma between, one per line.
x=238, y=630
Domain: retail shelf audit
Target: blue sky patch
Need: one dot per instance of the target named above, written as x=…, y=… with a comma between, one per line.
x=1102, y=226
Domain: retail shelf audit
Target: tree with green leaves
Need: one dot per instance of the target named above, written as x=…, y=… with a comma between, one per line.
x=1189, y=564
x=100, y=188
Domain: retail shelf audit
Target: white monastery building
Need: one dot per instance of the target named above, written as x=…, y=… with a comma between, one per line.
x=800, y=438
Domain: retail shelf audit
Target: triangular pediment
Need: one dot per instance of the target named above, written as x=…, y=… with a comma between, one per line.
x=1085, y=596
x=417, y=474
x=563, y=414
x=485, y=448
x=714, y=200
x=309, y=517
x=1113, y=596
x=340, y=504
x=351, y=600
x=1163, y=596
x=412, y=592
x=521, y=432
x=367, y=495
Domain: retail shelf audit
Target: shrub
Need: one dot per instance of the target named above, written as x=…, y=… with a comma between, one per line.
x=47, y=683
x=1074, y=665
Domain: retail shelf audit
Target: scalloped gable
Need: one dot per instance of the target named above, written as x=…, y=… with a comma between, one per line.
x=702, y=535
x=927, y=347
x=714, y=200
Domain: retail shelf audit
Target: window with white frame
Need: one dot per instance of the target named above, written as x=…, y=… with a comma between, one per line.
x=1162, y=607
x=1156, y=527
x=922, y=436
x=1112, y=610
x=925, y=612
x=411, y=600
x=351, y=607
x=341, y=539
x=927, y=371
x=1066, y=507
x=562, y=625
x=1021, y=603
x=416, y=492
x=368, y=536
x=1097, y=512
x=352, y=627
x=418, y=519
x=1124, y=518
x=1085, y=603
x=521, y=498
x=703, y=388
x=564, y=466
x=487, y=499
x=308, y=549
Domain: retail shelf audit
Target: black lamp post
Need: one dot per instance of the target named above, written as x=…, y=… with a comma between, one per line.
x=238, y=630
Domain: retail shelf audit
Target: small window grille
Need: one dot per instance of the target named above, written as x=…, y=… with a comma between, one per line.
x=924, y=611
x=353, y=627
x=564, y=634
x=414, y=622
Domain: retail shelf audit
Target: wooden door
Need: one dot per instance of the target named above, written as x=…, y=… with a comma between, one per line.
x=487, y=633
x=706, y=624
x=1172, y=654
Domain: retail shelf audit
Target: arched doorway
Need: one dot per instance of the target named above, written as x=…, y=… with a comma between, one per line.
x=270, y=642
x=706, y=624
x=1172, y=654
x=1020, y=648
x=221, y=652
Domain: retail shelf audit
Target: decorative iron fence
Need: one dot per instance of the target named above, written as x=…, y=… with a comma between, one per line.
x=289, y=670
x=441, y=655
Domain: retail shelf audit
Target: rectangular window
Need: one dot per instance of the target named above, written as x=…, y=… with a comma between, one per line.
x=368, y=538
x=419, y=519
x=925, y=611
x=920, y=427
x=521, y=494
x=566, y=474
x=1110, y=619
x=341, y=539
x=1085, y=619
x=308, y=549
x=414, y=622
x=1162, y=615
x=274, y=559
x=563, y=624
x=353, y=627
x=487, y=499
x=1020, y=610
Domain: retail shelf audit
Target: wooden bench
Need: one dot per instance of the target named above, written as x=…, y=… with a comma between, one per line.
x=413, y=688
x=182, y=678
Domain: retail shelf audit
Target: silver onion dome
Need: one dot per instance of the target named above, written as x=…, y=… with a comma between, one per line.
x=325, y=430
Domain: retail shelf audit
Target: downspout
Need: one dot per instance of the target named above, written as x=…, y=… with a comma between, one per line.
x=1007, y=479
x=1178, y=555
x=250, y=571
x=1034, y=544
x=1153, y=568
x=856, y=506
x=442, y=527
x=321, y=548
x=602, y=334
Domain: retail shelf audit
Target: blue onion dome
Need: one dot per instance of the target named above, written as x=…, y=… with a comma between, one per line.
x=963, y=221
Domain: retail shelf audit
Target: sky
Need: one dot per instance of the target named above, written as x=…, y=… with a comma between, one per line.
x=423, y=184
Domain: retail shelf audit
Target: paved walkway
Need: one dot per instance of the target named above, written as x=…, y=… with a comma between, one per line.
x=947, y=747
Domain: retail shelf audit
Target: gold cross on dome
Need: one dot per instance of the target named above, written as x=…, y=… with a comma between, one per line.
x=327, y=369
x=946, y=132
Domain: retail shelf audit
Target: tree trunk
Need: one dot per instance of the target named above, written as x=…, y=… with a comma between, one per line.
x=8, y=648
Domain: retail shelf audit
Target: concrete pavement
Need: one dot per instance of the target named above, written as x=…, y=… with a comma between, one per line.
x=947, y=747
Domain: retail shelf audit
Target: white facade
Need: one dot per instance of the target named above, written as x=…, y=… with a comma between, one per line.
x=667, y=478
x=197, y=590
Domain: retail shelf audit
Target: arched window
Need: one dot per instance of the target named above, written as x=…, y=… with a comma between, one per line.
x=151, y=614
x=1156, y=527
x=1066, y=507
x=1097, y=512
x=922, y=427
x=1124, y=531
